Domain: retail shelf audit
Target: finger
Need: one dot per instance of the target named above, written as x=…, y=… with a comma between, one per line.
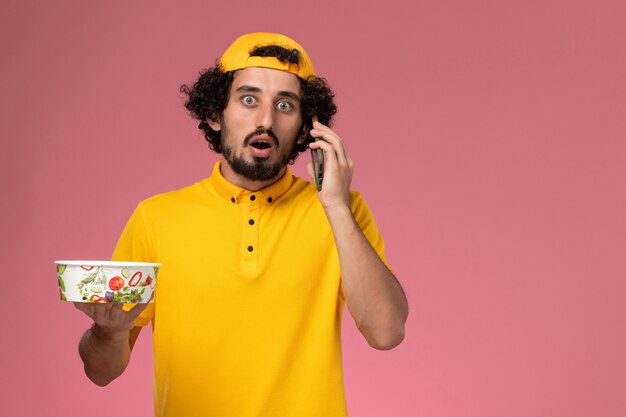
x=86, y=308
x=309, y=169
x=101, y=312
x=321, y=126
x=117, y=310
x=331, y=137
x=325, y=135
x=330, y=153
x=134, y=312
x=319, y=130
x=342, y=154
x=80, y=306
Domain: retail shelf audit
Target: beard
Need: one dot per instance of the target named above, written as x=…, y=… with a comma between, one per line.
x=259, y=169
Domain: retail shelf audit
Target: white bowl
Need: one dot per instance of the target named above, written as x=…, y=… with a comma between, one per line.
x=107, y=281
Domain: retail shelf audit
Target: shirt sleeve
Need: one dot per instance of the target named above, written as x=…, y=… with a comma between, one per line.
x=136, y=245
x=366, y=221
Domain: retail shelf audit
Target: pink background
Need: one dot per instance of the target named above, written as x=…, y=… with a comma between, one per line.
x=489, y=138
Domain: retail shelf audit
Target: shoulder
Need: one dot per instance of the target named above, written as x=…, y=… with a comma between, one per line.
x=174, y=199
x=356, y=199
x=305, y=190
x=360, y=209
x=304, y=194
x=299, y=192
x=301, y=186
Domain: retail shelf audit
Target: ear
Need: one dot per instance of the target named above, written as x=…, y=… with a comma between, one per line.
x=304, y=133
x=214, y=122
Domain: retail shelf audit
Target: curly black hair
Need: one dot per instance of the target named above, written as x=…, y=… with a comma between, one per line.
x=209, y=95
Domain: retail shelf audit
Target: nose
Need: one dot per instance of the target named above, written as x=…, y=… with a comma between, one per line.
x=265, y=116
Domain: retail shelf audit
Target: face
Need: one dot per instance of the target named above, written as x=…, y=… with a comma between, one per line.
x=260, y=125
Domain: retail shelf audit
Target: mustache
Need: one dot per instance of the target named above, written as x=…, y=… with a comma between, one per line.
x=261, y=131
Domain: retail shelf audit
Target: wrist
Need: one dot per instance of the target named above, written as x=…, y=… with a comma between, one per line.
x=339, y=209
x=339, y=215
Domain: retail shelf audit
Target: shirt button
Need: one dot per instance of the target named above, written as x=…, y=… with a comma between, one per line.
x=233, y=199
x=252, y=197
x=250, y=222
x=250, y=248
x=269, y=200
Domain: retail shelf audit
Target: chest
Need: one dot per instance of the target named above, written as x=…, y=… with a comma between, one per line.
x=254, y=251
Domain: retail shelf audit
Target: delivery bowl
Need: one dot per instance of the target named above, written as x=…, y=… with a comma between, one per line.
x=107, y=281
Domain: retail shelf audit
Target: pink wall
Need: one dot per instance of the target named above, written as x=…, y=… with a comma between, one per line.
x=490, y=143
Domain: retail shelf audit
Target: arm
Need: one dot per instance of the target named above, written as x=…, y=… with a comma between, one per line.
x=105, y=348
x=373, y=295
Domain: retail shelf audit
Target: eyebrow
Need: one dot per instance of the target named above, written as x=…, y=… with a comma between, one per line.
x=251, y=89
x=289, y=94
x=248, y=89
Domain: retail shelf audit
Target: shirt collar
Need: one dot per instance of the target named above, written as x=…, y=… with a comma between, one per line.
x=234, y=194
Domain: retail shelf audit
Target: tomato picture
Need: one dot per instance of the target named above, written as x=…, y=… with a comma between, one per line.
x=116, y=283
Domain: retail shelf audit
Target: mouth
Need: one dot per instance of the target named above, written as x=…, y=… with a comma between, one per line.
x=261, y=146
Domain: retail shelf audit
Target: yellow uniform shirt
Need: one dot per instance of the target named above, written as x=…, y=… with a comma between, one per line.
x=248, y=304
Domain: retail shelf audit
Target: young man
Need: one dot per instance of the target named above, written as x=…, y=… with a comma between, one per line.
x=256, y=263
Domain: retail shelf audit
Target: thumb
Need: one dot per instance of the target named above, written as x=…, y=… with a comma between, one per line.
x=309, y=169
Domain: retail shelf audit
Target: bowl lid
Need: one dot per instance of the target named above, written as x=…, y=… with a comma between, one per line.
x=109, y=264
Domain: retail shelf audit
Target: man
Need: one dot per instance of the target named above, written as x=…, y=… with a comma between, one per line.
x=256, y=263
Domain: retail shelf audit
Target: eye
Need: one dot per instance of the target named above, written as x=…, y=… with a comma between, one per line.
x=283, y=105
x=248, y=100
